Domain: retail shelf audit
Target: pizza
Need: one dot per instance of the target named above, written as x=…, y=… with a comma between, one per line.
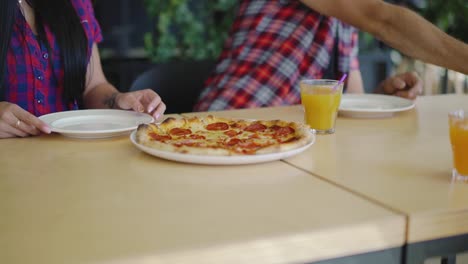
x=216, y=136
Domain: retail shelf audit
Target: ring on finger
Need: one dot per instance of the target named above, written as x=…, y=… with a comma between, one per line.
x=18, y=123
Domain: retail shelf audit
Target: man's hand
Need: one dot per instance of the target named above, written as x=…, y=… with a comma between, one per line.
x=17, y=122
x=407, y=85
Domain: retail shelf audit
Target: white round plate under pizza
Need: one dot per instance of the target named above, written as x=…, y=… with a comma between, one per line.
x=222, y=141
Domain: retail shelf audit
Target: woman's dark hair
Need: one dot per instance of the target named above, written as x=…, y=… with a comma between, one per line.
x=62, y=19
x=7, y=16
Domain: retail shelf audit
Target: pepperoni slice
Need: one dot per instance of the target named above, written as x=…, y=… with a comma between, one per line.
x=191, y=144
x=275, y=127
x=249, y=145
x=158, y=137
x=254, y=136
x=283, y=131
x=217, y=126
x=180, y=131
x=195, y=136
x=255, y=127
x=238, y=125
x=233, y=142
x=290, y=140
x=231, y=133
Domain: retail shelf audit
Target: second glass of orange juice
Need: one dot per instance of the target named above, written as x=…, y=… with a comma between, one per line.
x=321, y=99
x=458, y=123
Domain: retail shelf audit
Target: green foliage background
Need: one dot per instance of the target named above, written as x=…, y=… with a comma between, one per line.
x=196, y=29
x=449, y=15
x=188, y=29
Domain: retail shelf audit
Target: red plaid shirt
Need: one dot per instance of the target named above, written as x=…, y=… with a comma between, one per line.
x=272, y=45
x=32, y=81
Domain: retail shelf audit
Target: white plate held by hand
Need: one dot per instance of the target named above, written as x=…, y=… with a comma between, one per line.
x=95, y=123
x=372, y=105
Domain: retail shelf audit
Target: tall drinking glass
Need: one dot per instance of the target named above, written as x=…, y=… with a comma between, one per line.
x=458, y=122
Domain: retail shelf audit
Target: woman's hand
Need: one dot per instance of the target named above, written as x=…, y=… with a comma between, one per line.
x=17, y=122
x=99, y=93
x=406, y=85
x=141, y=101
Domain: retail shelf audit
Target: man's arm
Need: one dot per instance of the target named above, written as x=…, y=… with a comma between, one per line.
x=399, y=28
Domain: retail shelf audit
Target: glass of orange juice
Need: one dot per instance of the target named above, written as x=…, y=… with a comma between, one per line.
x=458, y=122
x=321, y=99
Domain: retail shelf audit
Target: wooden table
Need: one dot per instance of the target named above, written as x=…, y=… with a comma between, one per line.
x=403, y=163
x=71, y=201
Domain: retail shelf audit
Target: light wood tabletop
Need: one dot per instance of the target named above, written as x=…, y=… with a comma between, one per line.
x=403, y=162
x=65, y=200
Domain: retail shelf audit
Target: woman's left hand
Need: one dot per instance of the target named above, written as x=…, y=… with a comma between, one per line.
x=141, y=101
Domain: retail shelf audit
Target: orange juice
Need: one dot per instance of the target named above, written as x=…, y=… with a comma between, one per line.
x=459, y=140
x=321, y=107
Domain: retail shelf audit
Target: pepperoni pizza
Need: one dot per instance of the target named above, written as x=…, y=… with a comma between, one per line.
x=218, y=136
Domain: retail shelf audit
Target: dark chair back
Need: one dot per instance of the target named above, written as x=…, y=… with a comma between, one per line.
x=178, y=83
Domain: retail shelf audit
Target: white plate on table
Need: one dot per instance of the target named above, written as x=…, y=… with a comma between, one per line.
x=95, y=123
x=219, y=160
x=373, y=105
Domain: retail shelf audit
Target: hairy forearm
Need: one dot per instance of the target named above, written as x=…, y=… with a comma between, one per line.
x=101, y=96
x=409, y=33
x=400, y=28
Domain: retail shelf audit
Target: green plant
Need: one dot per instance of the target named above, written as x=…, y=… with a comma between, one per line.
x=188, y=29
x=450, y=16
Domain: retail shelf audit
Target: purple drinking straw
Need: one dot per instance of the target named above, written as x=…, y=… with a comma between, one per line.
x=343, y=78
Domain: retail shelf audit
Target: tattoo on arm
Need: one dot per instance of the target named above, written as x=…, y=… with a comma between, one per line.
x=109, y=101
